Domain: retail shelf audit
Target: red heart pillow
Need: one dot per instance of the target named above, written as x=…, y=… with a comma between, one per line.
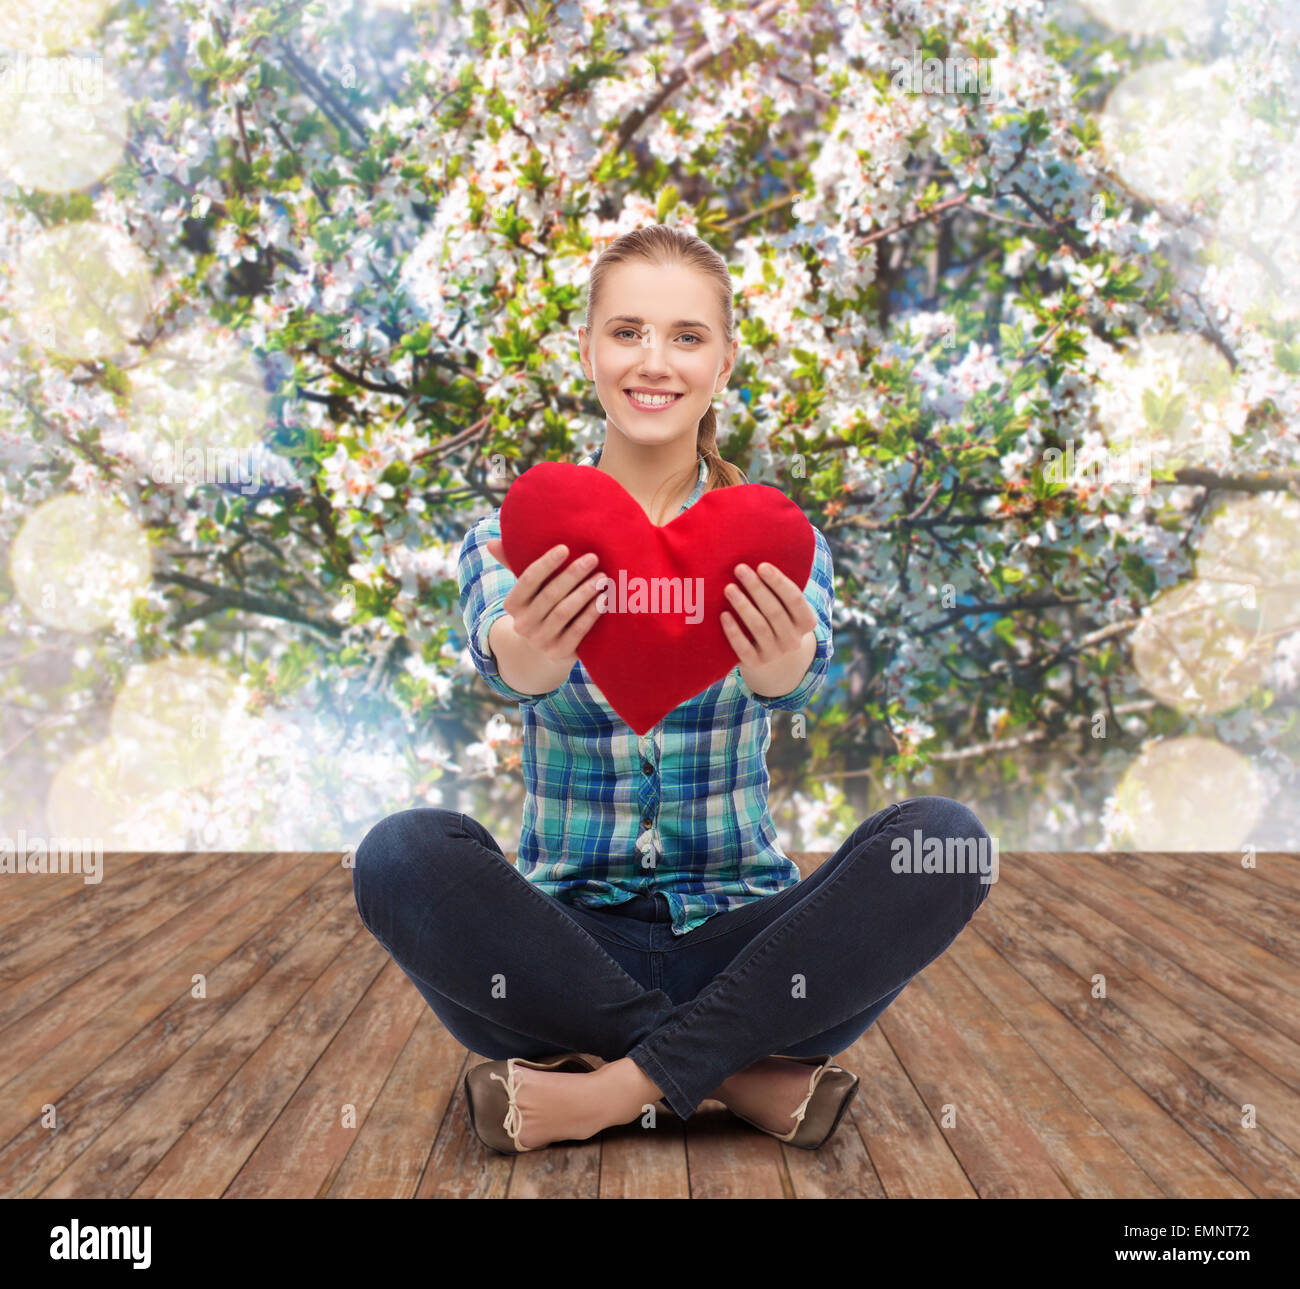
x=659, y=643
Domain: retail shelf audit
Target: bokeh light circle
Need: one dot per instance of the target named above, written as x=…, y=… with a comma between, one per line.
x=1171, y=401
x=82, y=290
x=169, y=723
x=1254, y=245
x=79, y=560
x=201, y=388
x=1162, y=802
x=1162, y=130
x=1252, y=545
x=1198, y=648
x=41, y=28
x=60, y=140
x=84, y=800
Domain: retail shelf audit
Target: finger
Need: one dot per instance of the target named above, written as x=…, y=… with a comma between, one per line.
x=541, y=569
x=521, y=600
x=757, y=588
x=795, y=602
x=780, y=582
x=552, y=623
x=577, y=630
x=569, y=588
x=792, y=596
x=579, y=599
x=745, y=651
x=744, y=609
x=802, y=614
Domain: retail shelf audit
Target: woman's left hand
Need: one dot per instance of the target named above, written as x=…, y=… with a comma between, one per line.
x=774, y=610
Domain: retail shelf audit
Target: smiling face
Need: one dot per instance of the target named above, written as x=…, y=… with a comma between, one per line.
x=656, y=331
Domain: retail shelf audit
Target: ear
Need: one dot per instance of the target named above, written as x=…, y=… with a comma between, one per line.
x=728, y=367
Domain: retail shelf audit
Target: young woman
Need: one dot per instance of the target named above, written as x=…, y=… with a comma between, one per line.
x=654, y=941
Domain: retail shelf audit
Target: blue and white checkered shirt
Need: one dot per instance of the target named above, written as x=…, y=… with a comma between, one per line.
x=682, y=809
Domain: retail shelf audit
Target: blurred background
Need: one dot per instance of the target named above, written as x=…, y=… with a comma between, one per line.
x=290, y=294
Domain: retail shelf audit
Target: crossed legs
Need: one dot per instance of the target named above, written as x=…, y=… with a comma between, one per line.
x=509, y=973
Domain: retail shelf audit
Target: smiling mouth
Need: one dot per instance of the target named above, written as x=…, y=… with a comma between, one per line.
x=637, y=398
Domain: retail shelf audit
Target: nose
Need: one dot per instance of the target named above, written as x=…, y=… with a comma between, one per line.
x=653, y=348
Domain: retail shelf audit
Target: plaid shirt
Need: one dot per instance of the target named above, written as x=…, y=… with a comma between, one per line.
x=682, y=809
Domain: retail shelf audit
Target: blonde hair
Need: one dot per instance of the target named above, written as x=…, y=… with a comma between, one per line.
x=664, y=245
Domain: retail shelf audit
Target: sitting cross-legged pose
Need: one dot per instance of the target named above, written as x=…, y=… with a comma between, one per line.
x=654, y=946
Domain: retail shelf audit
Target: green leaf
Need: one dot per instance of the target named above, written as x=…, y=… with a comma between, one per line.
x=1139, y=572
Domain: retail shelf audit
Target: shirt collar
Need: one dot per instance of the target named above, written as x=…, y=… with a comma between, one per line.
x=701, y=478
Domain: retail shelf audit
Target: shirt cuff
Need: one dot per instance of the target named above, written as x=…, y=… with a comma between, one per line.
x=486, y=664
x=804, y=690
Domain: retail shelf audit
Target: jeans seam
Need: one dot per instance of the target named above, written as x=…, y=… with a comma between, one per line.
x=604, y=935
x=662, y=1079
x=702, y=997
x=553, y=912
x=467, y=835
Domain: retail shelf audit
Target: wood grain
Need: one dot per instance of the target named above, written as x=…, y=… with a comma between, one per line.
x=314, y=1068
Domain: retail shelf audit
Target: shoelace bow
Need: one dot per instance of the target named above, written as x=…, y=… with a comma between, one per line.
x=803, y=1105
x=513, y=1123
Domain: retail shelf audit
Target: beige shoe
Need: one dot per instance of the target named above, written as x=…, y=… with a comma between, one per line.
x=490, y=1096
x=830, y=1090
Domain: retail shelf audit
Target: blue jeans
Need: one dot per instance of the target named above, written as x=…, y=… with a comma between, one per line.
x=512, y=971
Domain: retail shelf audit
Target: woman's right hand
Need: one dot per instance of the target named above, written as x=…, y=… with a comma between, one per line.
x=553, y=610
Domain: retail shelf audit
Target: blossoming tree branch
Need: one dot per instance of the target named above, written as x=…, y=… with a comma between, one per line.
x=292, y=295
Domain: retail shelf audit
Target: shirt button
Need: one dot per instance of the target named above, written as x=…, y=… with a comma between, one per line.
x=647, y=768
x=645, y=823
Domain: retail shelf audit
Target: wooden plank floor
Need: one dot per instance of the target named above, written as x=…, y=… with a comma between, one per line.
x=223, y=1025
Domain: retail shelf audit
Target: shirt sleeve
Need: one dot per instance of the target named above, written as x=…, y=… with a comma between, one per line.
x=484, y=585
x=820, y=593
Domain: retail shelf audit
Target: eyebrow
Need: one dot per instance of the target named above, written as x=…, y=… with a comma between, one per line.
x=640, y=322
